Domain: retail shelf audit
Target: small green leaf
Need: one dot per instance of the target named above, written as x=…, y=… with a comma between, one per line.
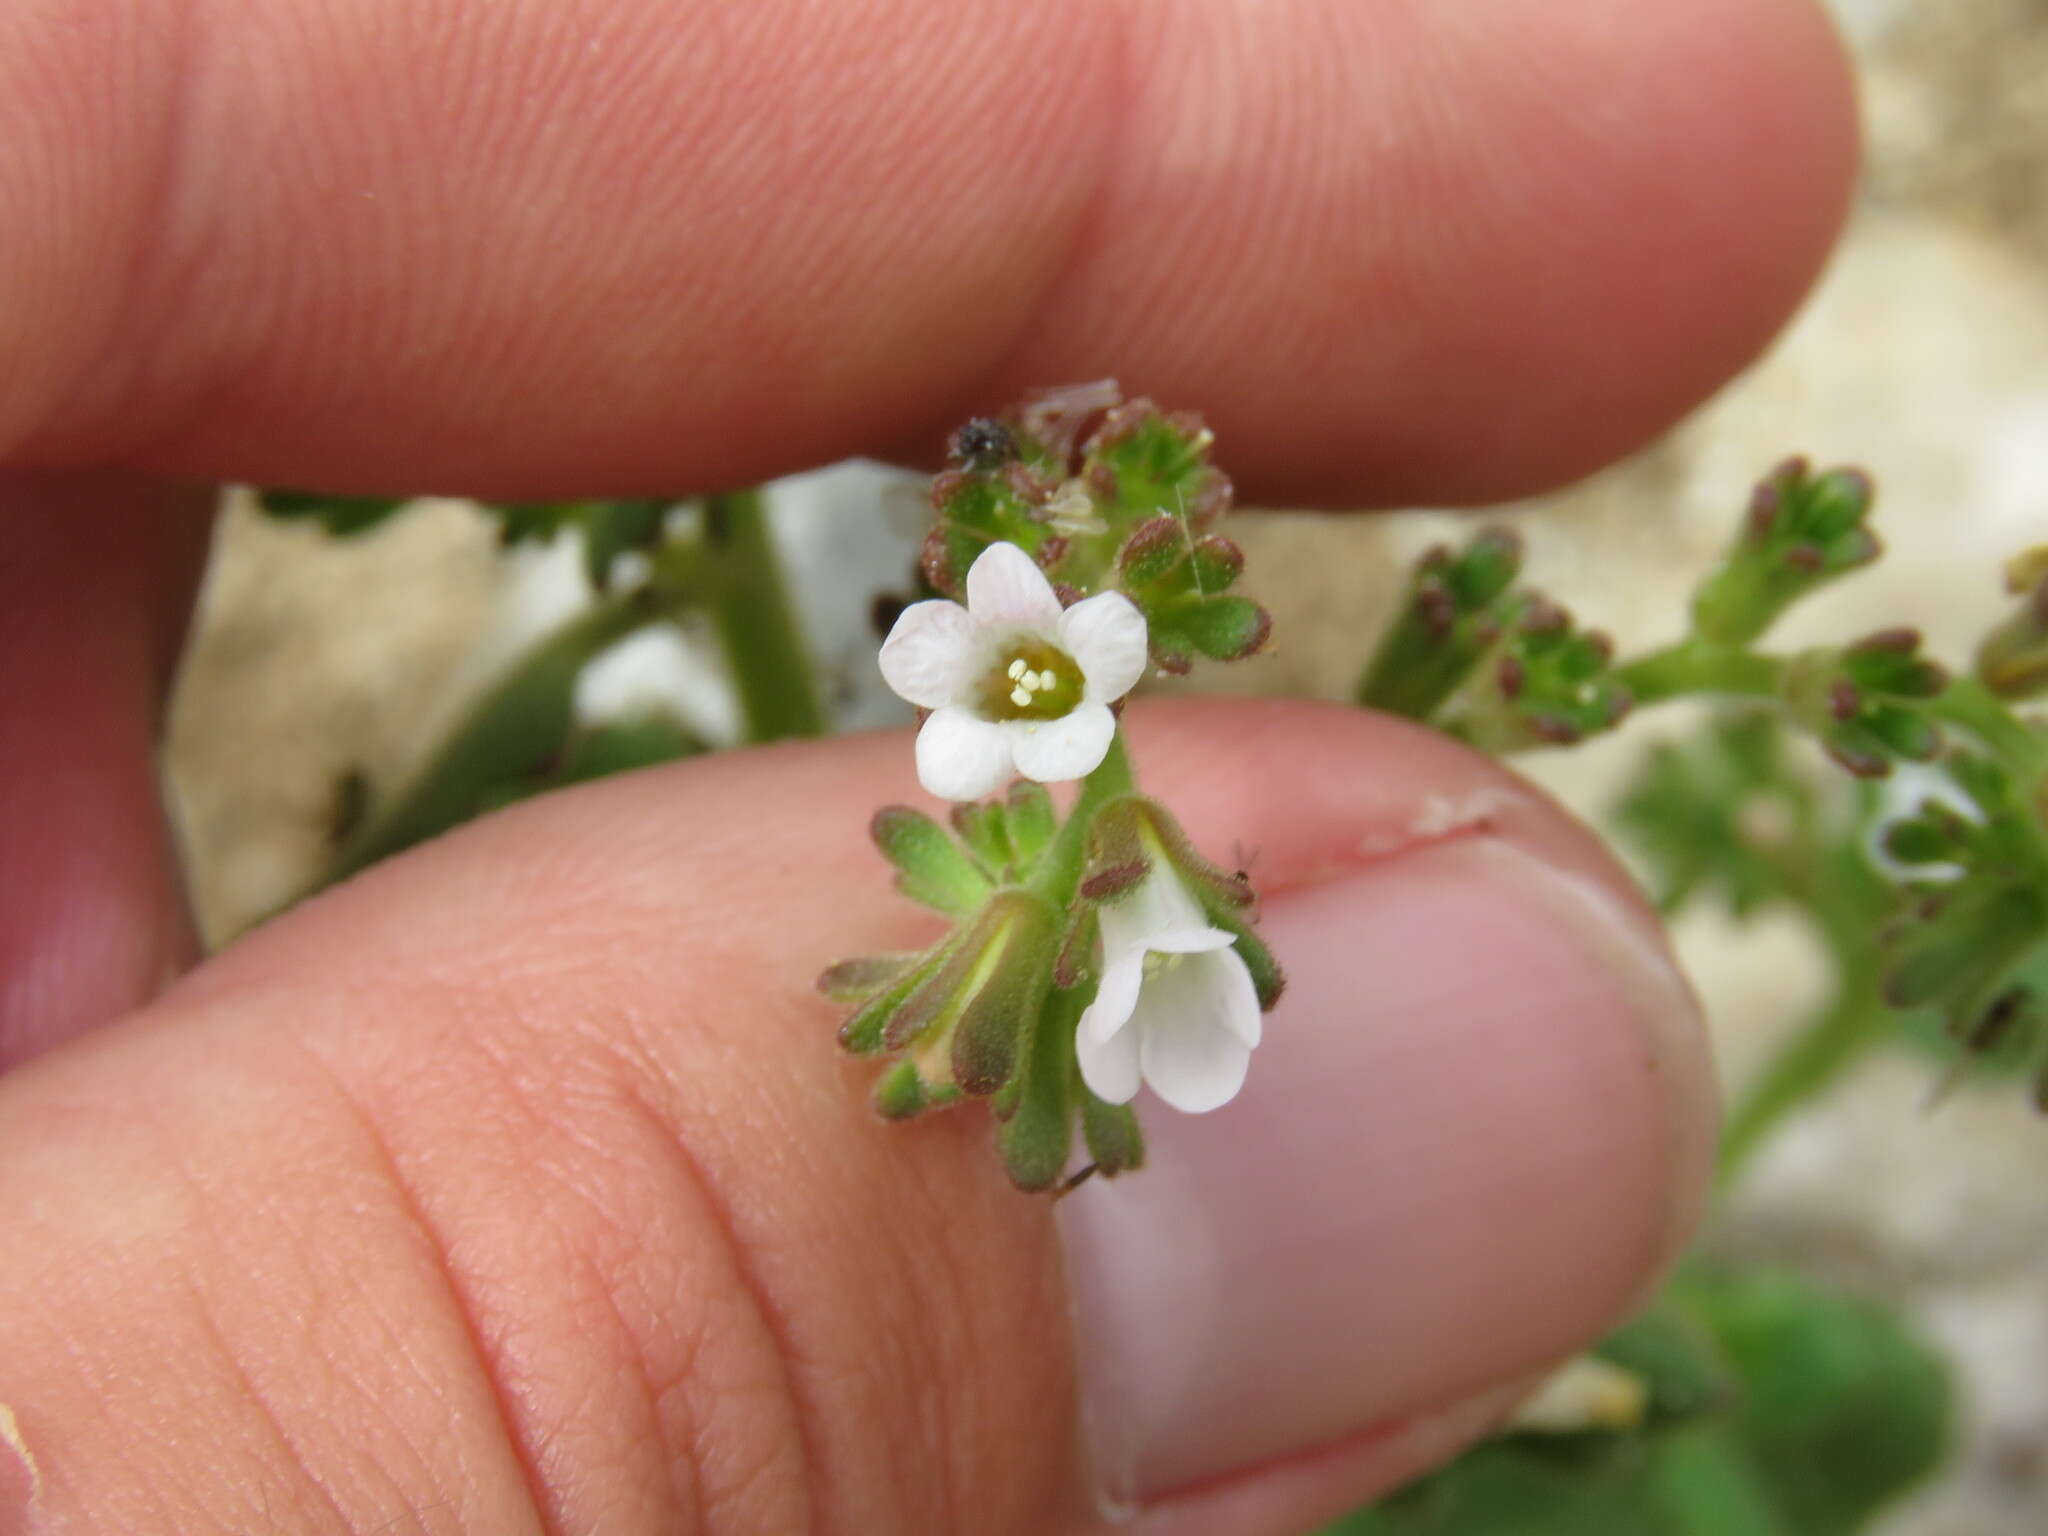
x=931, y=868
x=342, y=516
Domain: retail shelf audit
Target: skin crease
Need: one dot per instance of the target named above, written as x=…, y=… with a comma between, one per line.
x=1445, y=252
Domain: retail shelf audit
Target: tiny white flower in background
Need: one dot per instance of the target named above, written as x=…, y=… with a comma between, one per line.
x=1016, y=684
x=1176, y=1005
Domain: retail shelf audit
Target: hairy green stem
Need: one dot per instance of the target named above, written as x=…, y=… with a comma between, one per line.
x=1822, y=1052
x=1058, y=876
x=764, y=648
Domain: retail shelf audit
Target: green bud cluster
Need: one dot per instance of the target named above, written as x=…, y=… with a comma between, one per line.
x=1977, y=914
x=1106, y=495
x=990, y=1010
x=1448, y=620
x=1548, y=683
x=1498, y=664
x=1866, y=702
x=2012, y=661
x=1802, y=531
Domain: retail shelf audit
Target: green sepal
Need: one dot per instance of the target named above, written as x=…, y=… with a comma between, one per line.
x=1142, y=462
x=900, y=1094
x=1076, y=963
x=1267, y=977
x=1225, y=627
x=1115, y=1143
x=1038, y=1136
x=855, y=980
x=1218, y=562
x=1017, y=939
x=931, y=868
x=961, y=1012
x=866, y=1033
x=1032, y=821
x=1133, y=833
x=982, y=828
x=1152, y=555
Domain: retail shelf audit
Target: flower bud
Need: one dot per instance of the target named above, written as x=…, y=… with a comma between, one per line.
x=2012, y=661
x=1803, y=530
x=1866, y=702
x=1448, y=621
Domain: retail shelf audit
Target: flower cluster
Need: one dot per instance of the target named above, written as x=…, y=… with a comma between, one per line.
x=1096, y=952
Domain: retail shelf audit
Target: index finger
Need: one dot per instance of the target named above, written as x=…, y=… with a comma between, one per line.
x=1411, y=249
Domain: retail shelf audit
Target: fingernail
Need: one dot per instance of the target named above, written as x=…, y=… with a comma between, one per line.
x=1482, y=1120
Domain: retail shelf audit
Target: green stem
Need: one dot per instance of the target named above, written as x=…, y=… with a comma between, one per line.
x=1810, y=1062
x=1968, y=705
x=764, y=649
x=514, y=729
x=1695, y=666
x=1058, y=876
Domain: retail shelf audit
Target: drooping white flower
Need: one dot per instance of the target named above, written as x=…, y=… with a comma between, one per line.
x=1016, y=684
x=1176, y=1007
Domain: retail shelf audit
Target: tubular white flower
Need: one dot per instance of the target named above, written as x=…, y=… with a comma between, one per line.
x=1176, y=1006
x=1016, y=685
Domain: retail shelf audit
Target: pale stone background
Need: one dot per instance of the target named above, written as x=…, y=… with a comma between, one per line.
x=1924, y=356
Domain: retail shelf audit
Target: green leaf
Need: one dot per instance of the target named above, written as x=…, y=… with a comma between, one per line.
x=1779, y=1409
x=342, y=516
x=931, y=867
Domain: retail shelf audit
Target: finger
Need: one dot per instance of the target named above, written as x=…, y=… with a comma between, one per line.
x=1399, y=250
x=556, y=1209
x=96, y=578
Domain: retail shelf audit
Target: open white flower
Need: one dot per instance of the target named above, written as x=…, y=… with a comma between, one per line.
x=1016, y=685
x=1176, y=1006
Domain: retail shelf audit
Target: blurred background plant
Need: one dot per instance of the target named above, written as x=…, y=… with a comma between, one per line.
x=1872, y=1293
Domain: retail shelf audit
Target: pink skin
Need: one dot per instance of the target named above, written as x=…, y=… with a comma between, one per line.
x=1447, y=251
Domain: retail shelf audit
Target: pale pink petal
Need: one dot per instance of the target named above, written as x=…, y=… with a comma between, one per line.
x=1117, y=995
x=1109, y=1066
x=931, y=653
x=1105, y=634
x=961, y=756
x=1071, y=747
x=1007, y=591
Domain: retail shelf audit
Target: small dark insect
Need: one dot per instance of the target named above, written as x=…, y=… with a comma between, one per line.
x=984, y=443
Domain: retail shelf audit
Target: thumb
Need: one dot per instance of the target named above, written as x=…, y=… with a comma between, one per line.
x=517, y=1186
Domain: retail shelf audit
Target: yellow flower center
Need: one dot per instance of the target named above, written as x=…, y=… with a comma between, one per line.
x=1031, y=680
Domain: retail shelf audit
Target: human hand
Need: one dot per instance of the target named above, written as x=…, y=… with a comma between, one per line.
x=517, y=1185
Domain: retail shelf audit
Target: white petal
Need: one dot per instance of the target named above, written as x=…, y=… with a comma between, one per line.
x=1161, y=905
x=1190, y=941
x=1195, y=1070
x=1007, y=591
x=1201, y=994
x=1108, y=1066
x=961, y=756
x=1106, y=635
x=1071, y=747
x=931, y=653
x=1115, y=997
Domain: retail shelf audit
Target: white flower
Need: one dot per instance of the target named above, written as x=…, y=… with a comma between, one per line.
x=1176, y=1005
x=1015, y=684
